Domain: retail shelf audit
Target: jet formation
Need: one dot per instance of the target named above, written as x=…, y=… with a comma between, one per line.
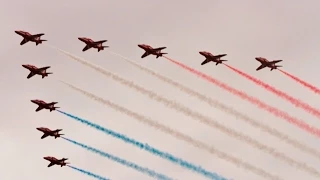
x=149, y=50
x=55, y=133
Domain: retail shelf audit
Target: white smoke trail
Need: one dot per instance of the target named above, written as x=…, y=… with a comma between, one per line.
x=176, y=134
x=216, y=104
x=203, y=119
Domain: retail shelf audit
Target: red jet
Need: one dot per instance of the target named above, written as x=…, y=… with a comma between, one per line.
x=35, y=70
x=44, y=105
x=29, y=37
x=212, y=58
x=150, y=50
x=93, y=44
x=55, y=161
x=266, y=63
x=48, y=132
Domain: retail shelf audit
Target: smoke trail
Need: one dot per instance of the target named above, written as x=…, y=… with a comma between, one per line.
x=257, y=102
x=225, y=108
x=149, y=148
x=136, y=167
x=203, y=119
x=298, y=103
x=304, y=83
x=175, y=134
x=88, y=173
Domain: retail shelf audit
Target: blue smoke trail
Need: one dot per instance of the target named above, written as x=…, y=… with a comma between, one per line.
x=121, y=161
x=148, y=148
x=88, y=173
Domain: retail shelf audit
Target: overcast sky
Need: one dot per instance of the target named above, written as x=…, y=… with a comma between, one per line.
x=287, y=30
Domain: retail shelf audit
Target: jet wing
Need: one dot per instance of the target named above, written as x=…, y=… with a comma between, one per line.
x=38, y=35
x=86, y=48
x=31, y=74
x=39, y=108
x=100, y=42
x=219, y=56
x=205, y=61
x=261, y=67
x=159, y=49
x=145, y=55
x=275, y=61
x=44, y=136
x=23, y=41
x=51, y=164
x=44, y=68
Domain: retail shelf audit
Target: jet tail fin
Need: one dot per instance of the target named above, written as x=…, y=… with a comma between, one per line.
x=161, y=55
x=58, y=136
x=54, y=108
x=276, y=67
x=45, y=75
x=102, y=48
x=40, y=42
x=220, y=61
x=65, y=164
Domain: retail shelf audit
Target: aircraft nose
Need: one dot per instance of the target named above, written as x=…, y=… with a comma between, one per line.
x=24, y=65
x=201, y=52
x=140, y=45
x=257, y=58
x=17, y=32
x=38, y=129
x=34, y=101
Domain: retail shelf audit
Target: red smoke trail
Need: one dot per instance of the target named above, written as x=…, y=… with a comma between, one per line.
x=253, y=100
x=313, y=88
x=279, y=93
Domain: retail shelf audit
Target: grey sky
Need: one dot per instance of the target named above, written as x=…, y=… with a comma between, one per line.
x=285, y=30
